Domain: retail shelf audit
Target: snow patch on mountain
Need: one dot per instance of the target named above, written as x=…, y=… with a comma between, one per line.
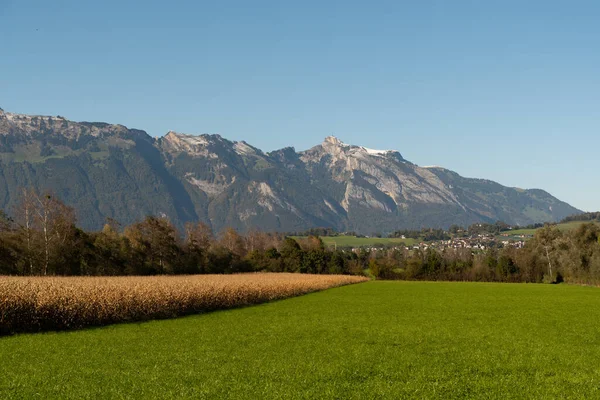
x=339, y=149
x=377, y=152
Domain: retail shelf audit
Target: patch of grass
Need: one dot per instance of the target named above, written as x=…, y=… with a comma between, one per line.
x=567, y=226
x=261, y=164
x=31, y=154
x=372, y=340
x=517, y=232
x=353, y=241
x=100, y=155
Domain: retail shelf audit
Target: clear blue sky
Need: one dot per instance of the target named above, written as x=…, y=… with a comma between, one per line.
x=504, y=90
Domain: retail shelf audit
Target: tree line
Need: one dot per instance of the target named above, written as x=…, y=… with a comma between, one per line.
x=42, y=238
x=551, y=256
x=587, y=216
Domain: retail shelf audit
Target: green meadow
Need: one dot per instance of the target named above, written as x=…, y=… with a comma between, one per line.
x=379, y=339
x=565, y=227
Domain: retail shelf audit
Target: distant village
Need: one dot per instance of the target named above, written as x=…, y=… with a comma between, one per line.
x=477, y=237
x=475, y=242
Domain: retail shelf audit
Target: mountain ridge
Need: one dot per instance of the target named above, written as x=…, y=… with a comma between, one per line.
x=126, y=174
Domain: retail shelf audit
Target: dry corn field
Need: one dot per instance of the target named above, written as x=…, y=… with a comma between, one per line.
x=31, y=304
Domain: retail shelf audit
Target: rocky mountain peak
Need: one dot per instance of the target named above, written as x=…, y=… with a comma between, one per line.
x=339, y=151
x=332, y=140
x=28, y=126
x=203, y=139
x=333, y=146
x=125, y=174
x=182, y=142
x=205, y=145
x=244, y=149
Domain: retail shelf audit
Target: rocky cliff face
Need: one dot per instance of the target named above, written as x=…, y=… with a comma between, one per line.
x=106, y=170
x=379, y=179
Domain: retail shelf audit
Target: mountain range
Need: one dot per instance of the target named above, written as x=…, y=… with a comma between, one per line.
x=107, y=170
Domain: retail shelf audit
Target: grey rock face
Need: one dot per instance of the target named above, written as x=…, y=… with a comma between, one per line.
x=106, y=170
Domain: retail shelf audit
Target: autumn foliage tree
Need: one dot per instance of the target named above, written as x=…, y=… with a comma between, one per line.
x=46, y=227
x=156, y=242
x=199, y=238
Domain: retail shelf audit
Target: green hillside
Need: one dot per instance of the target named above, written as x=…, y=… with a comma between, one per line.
x=567, y=226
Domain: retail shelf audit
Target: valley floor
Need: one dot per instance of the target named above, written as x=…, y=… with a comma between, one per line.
x=371, y=340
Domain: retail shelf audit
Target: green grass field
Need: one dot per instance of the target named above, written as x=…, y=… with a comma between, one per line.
x=567, y=226
x=353, y=241
x=371, y=340
x=517, y=232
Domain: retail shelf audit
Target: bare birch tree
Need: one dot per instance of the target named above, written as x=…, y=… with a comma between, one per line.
x=25, y=211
